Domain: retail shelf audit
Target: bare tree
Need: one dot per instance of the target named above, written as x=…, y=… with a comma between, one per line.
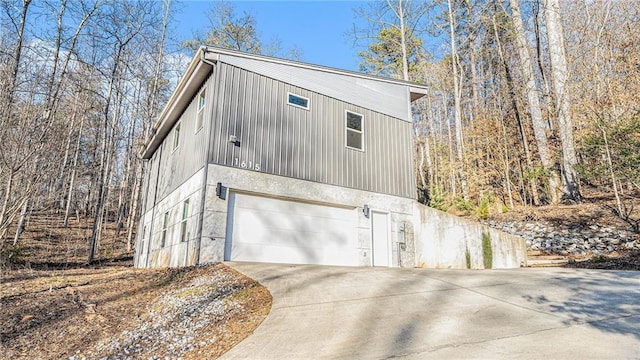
x=457, y=94
x=559, y=73
x=533, y=100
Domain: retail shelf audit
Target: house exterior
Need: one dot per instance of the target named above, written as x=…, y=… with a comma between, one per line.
x=260, y=159
x=255, y=158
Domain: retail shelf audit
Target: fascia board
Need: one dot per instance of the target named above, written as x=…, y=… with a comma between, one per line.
x=188, y=85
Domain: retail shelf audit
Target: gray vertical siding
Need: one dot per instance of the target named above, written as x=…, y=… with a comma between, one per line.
x=151, y=178
x=176, y=166
x=308, y=144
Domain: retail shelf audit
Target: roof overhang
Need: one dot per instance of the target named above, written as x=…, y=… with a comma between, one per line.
x=417, y=92
x=189, y=83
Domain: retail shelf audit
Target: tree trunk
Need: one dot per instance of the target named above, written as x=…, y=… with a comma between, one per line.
x=21, y=221
x=559, y=73
x=543, y=72
x=611, y=173
x=73, y=174
x=5, y=204
x=452, y=174
x=403, y=42
x=457, y=108
x=472, y=61
x=59, y=188
x=133, y=214
x=533, y=101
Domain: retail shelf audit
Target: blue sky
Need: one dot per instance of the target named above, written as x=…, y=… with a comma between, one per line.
x=316, y=27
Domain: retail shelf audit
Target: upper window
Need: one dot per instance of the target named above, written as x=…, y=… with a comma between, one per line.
x=200, y=111
x=354, y=130
x=176, y=137
x=298, y=101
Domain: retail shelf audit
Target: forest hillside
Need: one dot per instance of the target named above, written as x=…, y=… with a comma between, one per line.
x=531, y=104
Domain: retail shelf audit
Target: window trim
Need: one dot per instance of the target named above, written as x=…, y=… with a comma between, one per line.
x=165, y=227
x=347, y=129
x=183, y=222
x=176, y=137
x=308, y=107
x=200, y=110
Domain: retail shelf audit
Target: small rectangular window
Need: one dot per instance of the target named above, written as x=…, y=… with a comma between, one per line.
x=176, y=137
x=165, y=225
x=184, y=236
x=200, y=110
x=298, y=101
x=354, y=130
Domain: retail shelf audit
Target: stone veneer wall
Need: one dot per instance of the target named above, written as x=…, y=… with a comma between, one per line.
x=570, y=240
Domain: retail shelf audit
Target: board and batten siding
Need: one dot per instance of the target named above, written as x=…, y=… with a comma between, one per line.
x=178, y=165
x=151, y=179
x=285, y=140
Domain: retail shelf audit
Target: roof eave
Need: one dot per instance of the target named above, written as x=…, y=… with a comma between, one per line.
x=417, y=93
x=196, y=73
x=213, y=52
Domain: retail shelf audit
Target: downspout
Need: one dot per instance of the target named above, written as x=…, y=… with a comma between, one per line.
x=153, y=210
x=205, y=172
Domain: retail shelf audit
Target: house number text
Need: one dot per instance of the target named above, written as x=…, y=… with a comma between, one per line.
x=247, y=164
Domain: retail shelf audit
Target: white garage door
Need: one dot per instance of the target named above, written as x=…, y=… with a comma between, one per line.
x=264, y=229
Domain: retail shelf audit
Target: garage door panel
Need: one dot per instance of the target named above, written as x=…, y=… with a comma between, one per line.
x=293, y=223
x=284, y=231
x=340, y=217
x=292, y=237
x=292, y=255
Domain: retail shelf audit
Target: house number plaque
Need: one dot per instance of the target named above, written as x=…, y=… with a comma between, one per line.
x=244, y=164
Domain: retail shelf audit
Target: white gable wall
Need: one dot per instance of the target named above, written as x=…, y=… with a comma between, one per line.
x=383, y=97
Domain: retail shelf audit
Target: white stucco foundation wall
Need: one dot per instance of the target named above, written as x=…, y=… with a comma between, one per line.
x=430, y=238
x=442, y=241
x=149, y=252
x=241, y=180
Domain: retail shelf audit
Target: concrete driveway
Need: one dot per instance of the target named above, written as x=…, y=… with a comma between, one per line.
x=322, y=312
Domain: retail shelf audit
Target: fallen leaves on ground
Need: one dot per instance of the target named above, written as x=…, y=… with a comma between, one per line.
x=121, y=312
x=618, y=261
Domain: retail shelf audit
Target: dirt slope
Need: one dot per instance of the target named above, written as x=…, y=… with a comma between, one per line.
x=120, y=311
x=54, y=306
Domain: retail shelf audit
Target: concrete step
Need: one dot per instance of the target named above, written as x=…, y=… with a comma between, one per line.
x=547, y=257
x=539, y=259
x=533, y=262
x=536, y=258
x=534, y=253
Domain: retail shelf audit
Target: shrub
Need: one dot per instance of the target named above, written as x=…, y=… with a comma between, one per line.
x=11, y=255
x=463, y=205
x=437, y=200
x=485, y=205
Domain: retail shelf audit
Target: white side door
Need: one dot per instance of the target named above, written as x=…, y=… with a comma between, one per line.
x=381, y=243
